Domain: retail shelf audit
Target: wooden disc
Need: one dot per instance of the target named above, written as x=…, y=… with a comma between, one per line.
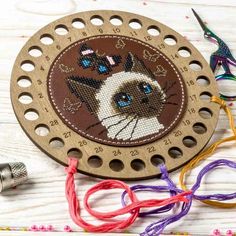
x=121, y=92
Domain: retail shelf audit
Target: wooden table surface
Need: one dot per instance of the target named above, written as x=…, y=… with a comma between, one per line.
x=41, y=200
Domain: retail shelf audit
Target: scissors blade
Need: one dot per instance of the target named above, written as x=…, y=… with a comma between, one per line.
x=199, y=20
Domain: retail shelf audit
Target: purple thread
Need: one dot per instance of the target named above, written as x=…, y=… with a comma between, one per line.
x=158, y=227
x=169, y=188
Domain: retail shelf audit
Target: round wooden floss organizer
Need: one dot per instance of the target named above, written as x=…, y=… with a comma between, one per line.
x=120, y=91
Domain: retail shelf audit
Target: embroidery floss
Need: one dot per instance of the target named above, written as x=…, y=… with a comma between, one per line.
x=133, y=208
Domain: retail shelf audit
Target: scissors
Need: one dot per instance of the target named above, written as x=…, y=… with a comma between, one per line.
x=221, y=57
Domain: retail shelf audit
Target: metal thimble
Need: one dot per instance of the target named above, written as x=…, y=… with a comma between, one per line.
x=12, y=174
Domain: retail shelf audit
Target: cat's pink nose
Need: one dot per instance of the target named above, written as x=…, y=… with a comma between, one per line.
x=145, y=100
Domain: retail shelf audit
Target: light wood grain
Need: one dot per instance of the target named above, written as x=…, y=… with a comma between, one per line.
x=42, y=200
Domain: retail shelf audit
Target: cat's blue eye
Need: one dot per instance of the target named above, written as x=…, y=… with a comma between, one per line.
x=145, y=88
x=123, y=99
x=86, y=63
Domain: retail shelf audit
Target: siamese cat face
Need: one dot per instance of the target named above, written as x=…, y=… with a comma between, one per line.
x=127, y=103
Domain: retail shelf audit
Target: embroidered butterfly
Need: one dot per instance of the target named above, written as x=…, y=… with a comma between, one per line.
x=151, y=57
x=102, y=64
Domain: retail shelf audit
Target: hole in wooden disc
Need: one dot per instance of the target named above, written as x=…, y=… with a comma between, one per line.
x=46, y=39
x=170, y=40
x=116, y=20
x=24, y=81
x=184, y=52
x=195, y=65
x=135, y=24
x=95, y=161
x=25, y=98
x=157, y=160
x=31, y=114
x=153, y=30
x=61, y=30
x=41, y=130
x=199, y=128
x=138, y=165
x=75, y=152
x=97, y=20
x=189, y=141
x=35, y=51
x=78, y=23
x=205, y=96
x=116, y=165
x=175, y=152
x=56, y=143
x=203, y=81
x=205, y=113
x=27, y=66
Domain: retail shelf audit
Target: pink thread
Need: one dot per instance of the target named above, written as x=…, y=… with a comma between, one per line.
x=133, y=208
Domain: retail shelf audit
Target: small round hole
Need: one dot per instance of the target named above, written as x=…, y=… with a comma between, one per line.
x=42, y=130
x=205, y=96
x=199, y=128
x=116, y=165
x=138, y=165
x=116, y=20
x=175, y=152
x=46, y=39
x=56, y=143
x=203, y=81
x=205, y=113
x=157, y=160
x=97, y=20
x=61, y=30
x=24, y=81
x=195, y=66
x=35, y=51
x=75, y=152
x=27, y=66
x=31, y=114
x=95, y=161
x=78, y=23
x=135, y=24
x=189, y=141
x=153, y=30
x=184, y=52
x=170, y=40
x=25, y=98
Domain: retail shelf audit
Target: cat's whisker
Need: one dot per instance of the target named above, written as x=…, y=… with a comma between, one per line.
x=171, y=103
x=164, y=88
x=169, y=87
x=98, y=123
x=126, y=126
x=120, y=121
x=171, y=95
x=135, y=125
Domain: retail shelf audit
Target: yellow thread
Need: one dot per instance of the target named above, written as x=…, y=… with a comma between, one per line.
x=209, y=151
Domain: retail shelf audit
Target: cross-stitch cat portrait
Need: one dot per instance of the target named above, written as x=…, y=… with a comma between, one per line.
x=125, y=102
x=126, y=93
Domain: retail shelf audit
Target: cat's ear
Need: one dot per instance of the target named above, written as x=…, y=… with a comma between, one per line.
x=134, y=64
x=85, y=89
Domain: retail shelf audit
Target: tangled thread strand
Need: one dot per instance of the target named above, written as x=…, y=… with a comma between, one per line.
x=133, y=208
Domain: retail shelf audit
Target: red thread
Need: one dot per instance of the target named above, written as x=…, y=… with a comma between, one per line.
x=133, y=208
